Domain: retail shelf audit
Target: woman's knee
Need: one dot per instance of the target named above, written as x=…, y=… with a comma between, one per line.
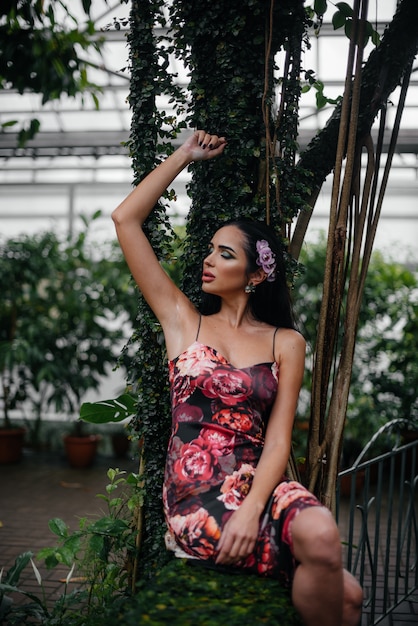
x=316, y=538
x=353, y=600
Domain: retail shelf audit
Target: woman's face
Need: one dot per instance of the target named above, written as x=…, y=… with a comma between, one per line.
x=225, y=267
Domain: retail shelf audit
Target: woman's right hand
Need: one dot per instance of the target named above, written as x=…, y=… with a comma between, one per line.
x=172, y=308
x=202, y=146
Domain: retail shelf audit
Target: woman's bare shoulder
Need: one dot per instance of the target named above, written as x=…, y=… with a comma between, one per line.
x=290, y=334
x=288, y=340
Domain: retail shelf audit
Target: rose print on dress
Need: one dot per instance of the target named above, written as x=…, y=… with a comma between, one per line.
x=285, y=494
x=237, y=418
x=194, y=463
x=265, y=381
x=195, y=361
x=236, y=487
x=185, y=412
x=229, y=385
x=198, y=459
x=197, y=533
x=220, y=442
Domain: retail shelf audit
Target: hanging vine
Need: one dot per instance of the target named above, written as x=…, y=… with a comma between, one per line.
x=148, y=374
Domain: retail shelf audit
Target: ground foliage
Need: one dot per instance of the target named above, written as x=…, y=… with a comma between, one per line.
x=183, y=595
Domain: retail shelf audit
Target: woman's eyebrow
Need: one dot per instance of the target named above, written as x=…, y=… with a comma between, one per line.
x=223, y=247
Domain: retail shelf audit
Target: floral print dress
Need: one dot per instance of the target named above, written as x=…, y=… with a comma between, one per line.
x=220, y=414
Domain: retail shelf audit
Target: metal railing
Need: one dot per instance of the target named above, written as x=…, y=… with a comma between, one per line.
x=377, y=515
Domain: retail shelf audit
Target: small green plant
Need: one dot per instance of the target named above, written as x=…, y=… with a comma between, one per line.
x=35, y=610
x=100, y=555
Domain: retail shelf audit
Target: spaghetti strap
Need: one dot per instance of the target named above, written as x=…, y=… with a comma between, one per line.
x=198, y=328
x=274, y=341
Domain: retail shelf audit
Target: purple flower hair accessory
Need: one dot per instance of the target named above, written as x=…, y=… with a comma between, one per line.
x=266, y=259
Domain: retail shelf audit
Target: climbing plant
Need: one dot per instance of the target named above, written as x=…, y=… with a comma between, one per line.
x=148, y=375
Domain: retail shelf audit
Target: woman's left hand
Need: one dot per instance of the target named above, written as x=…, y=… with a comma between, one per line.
x=238, y=536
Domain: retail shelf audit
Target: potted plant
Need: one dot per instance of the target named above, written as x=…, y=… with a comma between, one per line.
x=68, y=308
x=121, y=443
x=24, y=263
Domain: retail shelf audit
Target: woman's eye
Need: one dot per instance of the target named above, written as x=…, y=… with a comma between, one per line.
x=226, y=255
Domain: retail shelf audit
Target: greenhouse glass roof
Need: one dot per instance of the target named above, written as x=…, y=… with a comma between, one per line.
x=80, y=150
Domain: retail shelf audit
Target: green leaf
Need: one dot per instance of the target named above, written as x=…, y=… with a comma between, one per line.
x=109, y=526
x=48, y=555
x=105, y=411
x=345, y=9
x=338, y=20
x=97, y=545
x=13, y=575
x=58, y=527
x=86, y=6
x=320, y=6
x=116, y=502
x=9, y=123
x=96, y=101
x=375, y=38
x=66, y=554
x=321, y=100
x=348, y=28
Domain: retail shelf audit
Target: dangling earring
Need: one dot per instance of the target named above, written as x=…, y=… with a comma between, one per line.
x=250, y=288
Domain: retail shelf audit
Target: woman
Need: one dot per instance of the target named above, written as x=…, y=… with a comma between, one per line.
x=236, y=369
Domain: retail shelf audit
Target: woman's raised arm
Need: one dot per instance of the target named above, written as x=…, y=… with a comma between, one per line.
x=159, y=291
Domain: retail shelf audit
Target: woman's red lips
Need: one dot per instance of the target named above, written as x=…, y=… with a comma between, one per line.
x=207, y=277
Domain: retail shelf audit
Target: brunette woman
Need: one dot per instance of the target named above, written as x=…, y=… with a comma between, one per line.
x=236, y=367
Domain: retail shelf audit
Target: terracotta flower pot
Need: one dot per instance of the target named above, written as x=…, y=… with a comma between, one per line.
x=120, y=445
x=81, y=451
x=11, y=445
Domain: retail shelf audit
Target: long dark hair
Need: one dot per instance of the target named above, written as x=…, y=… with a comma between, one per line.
x=271, y=301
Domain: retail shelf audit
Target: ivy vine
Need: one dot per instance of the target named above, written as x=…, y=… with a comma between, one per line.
x=148, y=375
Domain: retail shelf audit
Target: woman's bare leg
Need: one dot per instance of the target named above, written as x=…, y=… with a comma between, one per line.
x=323, y=593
